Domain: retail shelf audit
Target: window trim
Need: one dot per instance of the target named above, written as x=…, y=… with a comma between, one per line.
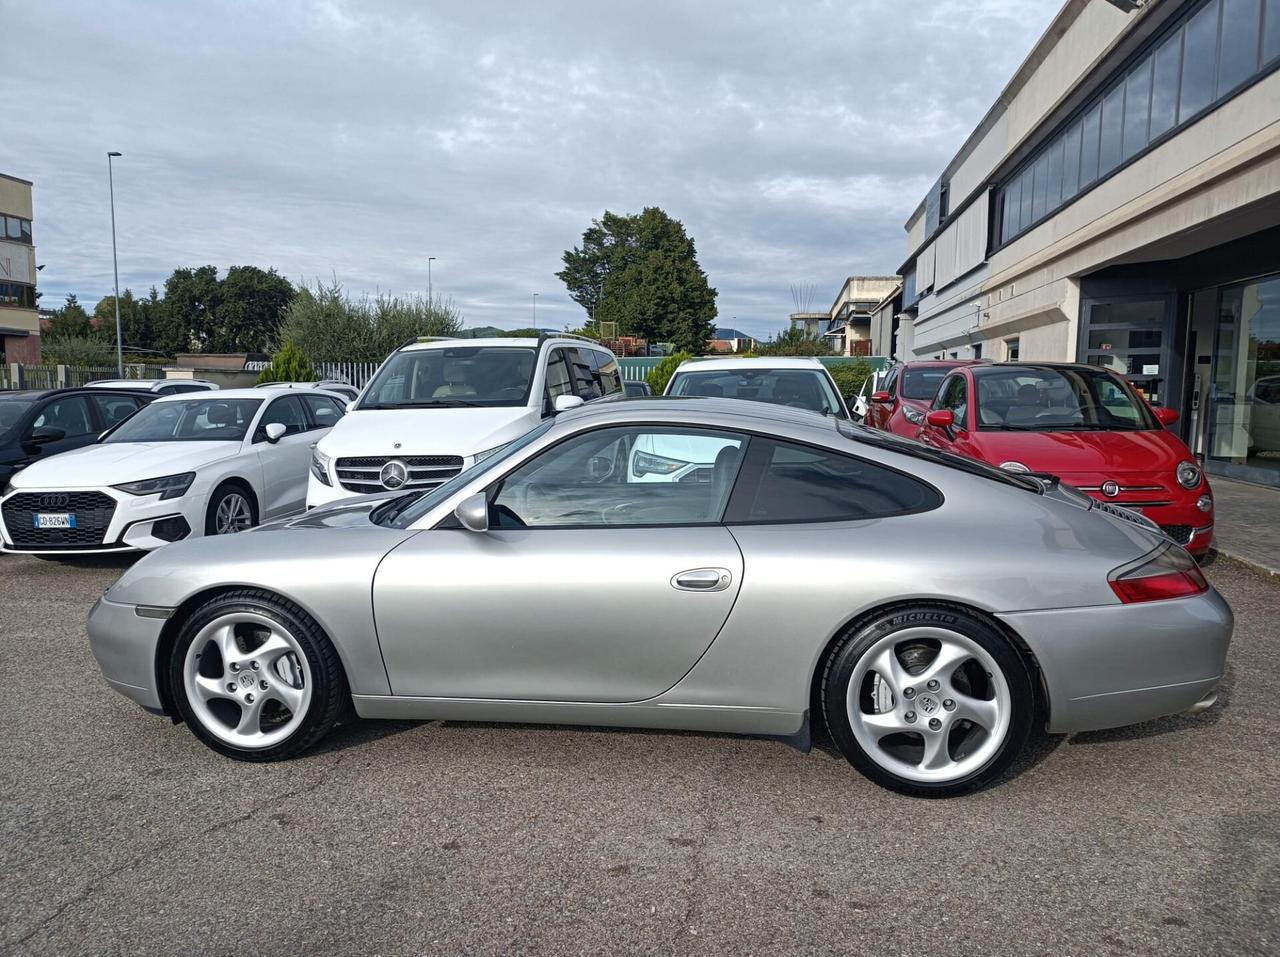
x=1119, y=77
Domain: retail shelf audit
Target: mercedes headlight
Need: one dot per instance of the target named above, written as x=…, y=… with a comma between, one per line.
x=320, y=466
x=167, y=486
x=1189, y=475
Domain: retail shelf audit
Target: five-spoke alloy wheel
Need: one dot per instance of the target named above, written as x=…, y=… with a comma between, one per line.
x=255, y=678
x=930, y=702
x=231, y=510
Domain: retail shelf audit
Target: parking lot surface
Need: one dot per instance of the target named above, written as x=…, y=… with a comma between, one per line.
x=121, y=834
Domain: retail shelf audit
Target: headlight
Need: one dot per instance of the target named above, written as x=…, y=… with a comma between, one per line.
x=647, y=463
x=914, y=416
x=1189, y=475
x=1014, y=467
x=320, y=466
x=490, y=453
x=167, y=486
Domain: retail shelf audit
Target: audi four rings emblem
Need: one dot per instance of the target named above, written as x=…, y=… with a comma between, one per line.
x=394, y=474
x=1110, y=489
x=55, y=501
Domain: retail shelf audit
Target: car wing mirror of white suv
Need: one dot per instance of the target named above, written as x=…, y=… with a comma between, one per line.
x=564, y=403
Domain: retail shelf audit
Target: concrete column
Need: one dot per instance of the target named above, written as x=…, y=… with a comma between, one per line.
x=63, y=379
x=16, y=377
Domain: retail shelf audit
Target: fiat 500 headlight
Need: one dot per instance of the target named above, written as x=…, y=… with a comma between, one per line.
x=1189, y=475
x=167, y=486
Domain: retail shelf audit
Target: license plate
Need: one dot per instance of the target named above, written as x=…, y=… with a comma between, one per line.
x=54, y=520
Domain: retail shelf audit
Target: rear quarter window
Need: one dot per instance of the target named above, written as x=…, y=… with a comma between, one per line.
x=786, y=482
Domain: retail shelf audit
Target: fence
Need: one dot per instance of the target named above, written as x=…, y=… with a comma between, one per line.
x=354, y=373
x=638, y=369
x=18, y=376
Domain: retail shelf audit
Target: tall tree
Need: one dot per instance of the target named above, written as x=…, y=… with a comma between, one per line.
x=71, y=321
x=191, y=300
x=252, y=302
x=642, y=272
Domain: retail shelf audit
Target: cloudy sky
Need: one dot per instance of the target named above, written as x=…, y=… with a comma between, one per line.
x=355, y=138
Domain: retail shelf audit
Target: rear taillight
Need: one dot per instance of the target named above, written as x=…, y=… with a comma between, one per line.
x=1170, y=573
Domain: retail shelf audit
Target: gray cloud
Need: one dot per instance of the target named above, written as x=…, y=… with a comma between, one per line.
x=356, y=138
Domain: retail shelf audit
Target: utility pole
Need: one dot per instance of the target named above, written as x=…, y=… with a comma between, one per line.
x=115, y=265
x=430, y=260
x=535, y=310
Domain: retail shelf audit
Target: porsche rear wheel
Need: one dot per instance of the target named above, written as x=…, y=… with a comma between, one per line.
x=255, y=678
x=929, y=701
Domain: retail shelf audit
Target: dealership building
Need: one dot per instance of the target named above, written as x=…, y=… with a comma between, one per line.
x=19, y=320
x=1119, y=205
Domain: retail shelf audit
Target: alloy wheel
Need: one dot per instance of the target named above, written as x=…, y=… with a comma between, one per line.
x=929, y=704
x=247, y=680
x=233, y=514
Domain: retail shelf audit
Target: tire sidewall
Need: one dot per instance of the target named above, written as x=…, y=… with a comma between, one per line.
x=847, y=655
x=221, y=492
x=321, y=709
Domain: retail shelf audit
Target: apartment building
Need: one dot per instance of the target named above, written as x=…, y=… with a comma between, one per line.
x=1119, y=205
x=19, y=319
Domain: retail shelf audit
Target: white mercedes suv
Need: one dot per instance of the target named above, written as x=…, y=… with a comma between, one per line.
x=438, y=406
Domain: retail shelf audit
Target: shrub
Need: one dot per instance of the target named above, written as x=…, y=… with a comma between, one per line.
x=850, y=376
x=288, y=365
x=77, y=351
x=661, y=374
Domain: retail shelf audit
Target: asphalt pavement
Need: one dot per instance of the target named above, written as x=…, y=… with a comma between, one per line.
x=120, y=834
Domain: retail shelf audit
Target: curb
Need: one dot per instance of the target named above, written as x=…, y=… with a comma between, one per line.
x=1219, y=554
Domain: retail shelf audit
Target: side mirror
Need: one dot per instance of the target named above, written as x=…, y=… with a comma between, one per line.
x=881, y=396
x=275, y=432
x=1166, y=415
x=564, y=403
x=599, y=467
x=941, y=418
x=44, y=436
x=473, y=512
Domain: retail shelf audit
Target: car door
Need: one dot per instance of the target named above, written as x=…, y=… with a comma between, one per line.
x=114, y=409
x=588, y=586
x=953, y=395
x=69, y=414
x=285, y=463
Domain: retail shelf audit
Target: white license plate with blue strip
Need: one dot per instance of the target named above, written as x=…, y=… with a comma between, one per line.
x=53, y=520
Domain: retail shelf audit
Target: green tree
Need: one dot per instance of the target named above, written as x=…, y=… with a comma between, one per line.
x=793, y=342
x=850, y=376
x=191, y=301
x=641, y=272
x=77, y=351
x=71, y=321
x=251, y=302
x=330, y=327
x=661, y=374
x=288, y=365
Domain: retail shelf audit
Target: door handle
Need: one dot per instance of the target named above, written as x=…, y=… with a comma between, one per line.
x=702, y=579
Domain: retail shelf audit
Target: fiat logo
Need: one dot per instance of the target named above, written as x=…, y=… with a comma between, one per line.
x=394, y=474
x=1110, y=489
x=55, y=501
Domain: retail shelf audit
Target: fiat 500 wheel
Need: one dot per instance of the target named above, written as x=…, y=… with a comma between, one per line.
x=255, y=678
x=929, y=702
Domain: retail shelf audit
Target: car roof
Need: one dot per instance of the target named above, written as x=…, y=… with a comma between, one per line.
x=749, y=362
x=1077, y=366
x=943, y=363
x=681, y=408
x=206, y=396
x=35, y=394
x=525, y=342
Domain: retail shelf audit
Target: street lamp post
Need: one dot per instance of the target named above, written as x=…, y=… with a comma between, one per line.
x=115, y=265
x=430, y=260
x=535, y=310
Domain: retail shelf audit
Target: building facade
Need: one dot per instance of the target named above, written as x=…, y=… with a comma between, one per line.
x=849, y=318
x=19, y=318
x=1120, y=205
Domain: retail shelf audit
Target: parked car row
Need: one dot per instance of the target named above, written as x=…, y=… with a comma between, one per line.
x=1083, y=424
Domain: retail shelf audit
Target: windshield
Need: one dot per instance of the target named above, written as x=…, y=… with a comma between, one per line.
x=922, y=383
x=1057, y=400
x=12, y=409
x=404, y=511
x=457, y=376
x=798, y=388
x=189, y=420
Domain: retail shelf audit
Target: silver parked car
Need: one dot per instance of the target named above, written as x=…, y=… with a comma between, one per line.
x=934, y=612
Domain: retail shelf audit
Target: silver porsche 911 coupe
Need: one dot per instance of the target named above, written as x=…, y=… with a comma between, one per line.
x=699, y=564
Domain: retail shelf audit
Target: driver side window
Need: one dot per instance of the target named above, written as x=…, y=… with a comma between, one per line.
x=630, y=476
x=954, y=396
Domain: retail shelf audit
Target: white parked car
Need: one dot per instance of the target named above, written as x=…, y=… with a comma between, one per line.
x=160, y=386
x=438, y=406
x=183, y=466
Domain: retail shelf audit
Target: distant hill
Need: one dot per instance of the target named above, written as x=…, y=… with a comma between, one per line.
x=492, y=332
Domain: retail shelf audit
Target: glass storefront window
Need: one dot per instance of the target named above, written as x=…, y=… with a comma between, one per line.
x=1244, y=403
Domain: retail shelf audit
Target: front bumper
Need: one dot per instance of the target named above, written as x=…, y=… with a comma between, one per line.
x=133, y=526
x=1107, y=666
x=125, y=643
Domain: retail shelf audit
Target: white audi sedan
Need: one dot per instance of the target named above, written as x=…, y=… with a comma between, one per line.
x=184, y=466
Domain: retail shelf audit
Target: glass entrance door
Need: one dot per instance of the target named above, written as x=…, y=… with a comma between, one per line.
x=1244, y=403
x=1131, y=336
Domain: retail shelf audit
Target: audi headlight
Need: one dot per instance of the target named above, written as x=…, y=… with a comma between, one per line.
x=320, y=466
x=646, y=463
x=167, y=486
x=1189, y=475
x=490, y=453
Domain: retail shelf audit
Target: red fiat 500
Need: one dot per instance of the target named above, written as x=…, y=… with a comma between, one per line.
x=901, y=402
x=1083, y=424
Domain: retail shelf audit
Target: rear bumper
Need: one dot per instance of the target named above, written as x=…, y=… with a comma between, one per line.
x=125, y=644
x=1113, y=665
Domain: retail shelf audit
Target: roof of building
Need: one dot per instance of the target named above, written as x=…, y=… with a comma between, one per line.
x=724, y=332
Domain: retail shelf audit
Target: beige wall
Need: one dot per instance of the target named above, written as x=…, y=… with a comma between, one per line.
x=15, y=197
x=18, y=264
